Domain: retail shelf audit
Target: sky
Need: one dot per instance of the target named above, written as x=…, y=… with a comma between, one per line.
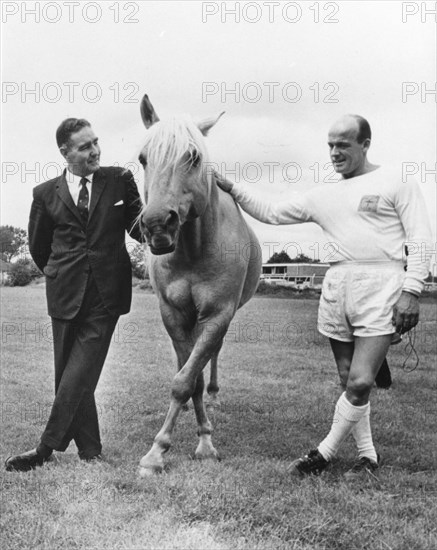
x=283, y=72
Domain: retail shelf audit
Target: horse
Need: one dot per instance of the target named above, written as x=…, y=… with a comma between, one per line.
x=205, y=264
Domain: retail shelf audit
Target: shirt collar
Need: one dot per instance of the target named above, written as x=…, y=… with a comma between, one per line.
x=72, y=179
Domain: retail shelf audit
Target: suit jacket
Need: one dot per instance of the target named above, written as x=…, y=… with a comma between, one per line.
x=66, y=249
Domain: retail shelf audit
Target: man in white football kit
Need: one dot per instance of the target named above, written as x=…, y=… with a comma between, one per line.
x=368, y=216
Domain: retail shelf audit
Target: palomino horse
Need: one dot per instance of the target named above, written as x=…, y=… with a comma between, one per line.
x=205, y=264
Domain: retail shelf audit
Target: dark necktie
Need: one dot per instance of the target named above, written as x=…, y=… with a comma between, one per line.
x=82, y=203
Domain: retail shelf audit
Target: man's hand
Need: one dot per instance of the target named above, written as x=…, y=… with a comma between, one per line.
x=406, y=313
x=223, y=183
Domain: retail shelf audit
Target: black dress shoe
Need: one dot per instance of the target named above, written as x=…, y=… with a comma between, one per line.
x=25, y=462
x=95, y=458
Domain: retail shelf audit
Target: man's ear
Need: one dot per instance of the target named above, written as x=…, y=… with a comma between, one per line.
x=366, y=145
x=64, y=151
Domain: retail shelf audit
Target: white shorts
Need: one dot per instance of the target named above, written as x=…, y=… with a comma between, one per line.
x=358, y=299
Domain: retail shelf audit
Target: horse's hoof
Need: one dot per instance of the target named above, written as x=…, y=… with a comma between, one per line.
x=213, y=457
x=150, y=465
x=210, y=454
x=149, y=471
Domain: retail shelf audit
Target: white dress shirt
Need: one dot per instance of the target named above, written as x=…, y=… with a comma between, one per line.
x=74, y=185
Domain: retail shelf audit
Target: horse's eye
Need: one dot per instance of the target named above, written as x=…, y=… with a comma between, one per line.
x=194, y=158
x=142, y=160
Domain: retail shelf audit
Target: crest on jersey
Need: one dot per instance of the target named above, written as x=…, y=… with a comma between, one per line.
x=369, y=203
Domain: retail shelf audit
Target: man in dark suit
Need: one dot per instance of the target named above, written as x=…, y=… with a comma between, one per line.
x=77, y=238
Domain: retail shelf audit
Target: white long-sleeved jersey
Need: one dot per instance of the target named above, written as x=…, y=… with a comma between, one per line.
x=366, y=218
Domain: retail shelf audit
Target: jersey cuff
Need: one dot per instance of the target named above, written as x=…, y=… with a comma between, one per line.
x=408, y=291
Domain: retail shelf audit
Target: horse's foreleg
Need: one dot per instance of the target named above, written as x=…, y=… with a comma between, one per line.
x=153, y=461
x=179, y=364
x=205, y=449
x=184, y=386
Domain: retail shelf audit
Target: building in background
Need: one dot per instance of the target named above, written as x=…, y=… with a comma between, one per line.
x=295, y=275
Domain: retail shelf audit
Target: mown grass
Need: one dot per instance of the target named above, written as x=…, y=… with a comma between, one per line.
x=278, y=387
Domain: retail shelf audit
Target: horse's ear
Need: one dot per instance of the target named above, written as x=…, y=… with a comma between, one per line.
x=206, y=125
x=148, y=112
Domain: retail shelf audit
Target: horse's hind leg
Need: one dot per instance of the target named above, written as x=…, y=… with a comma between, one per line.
x=205, y=449
x=213, y=387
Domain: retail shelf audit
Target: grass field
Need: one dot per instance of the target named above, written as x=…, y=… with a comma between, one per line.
x=278, y=388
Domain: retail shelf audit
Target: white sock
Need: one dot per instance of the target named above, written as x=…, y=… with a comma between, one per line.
x=346, y=416
x=363, y=437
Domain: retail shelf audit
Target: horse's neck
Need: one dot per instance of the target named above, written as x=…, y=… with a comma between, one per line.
x=198, y=237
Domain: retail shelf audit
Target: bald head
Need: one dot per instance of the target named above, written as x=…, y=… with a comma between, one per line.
x=355, y=126
x=349, y=141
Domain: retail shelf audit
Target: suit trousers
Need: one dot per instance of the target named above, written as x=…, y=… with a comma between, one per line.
x=80, y=348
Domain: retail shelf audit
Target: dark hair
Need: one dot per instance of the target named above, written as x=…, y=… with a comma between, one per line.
x=364, y=131
x=68, y=127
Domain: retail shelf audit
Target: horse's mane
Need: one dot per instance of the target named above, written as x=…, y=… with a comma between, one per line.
x=169, y=140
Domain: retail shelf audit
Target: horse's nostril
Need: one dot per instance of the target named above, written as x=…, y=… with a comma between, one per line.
x=172, y=219
x=156, y=221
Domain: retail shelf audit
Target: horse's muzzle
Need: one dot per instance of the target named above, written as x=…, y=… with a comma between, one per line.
x=161, y=235
x=162, y=250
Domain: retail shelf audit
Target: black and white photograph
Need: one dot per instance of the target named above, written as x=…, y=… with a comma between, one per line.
x=218, y=275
